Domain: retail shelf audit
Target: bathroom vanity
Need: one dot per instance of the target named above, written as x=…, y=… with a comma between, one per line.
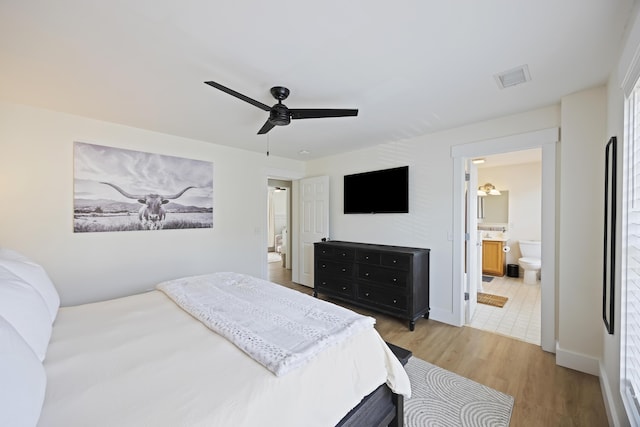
x=493, y=260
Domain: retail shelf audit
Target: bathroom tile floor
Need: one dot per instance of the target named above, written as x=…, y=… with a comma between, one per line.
x=520, y=316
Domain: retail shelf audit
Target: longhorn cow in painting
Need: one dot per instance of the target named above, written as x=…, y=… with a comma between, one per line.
x=152, y=212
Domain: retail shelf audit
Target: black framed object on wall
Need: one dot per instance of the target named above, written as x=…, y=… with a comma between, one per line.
x=608, y=268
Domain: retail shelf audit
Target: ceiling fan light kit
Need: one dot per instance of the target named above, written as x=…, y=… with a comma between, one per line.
x=280, y=114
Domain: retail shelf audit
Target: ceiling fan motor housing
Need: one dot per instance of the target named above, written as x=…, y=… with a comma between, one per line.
x=279, y=115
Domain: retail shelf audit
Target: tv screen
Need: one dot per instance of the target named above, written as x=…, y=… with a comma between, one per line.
x=381, y=191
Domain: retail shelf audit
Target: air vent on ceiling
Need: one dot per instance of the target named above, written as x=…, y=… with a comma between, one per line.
x=513, y=77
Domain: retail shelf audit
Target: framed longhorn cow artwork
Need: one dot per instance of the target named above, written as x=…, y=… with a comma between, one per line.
x=125, y=190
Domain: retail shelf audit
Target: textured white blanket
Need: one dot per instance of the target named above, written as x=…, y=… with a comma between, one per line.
x=280, y=328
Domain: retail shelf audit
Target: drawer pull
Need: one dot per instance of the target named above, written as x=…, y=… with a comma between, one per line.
x=344, y=254
x=366, y=294
x=324, y=283
x=344, y=288
x=366, y=274
x=367, y=257
x=395, y=261
x=395, y=280
x=395, y=301
x=344, y=270
x=324, y=265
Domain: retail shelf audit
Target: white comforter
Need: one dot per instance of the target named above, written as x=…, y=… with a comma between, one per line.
x=142, y=361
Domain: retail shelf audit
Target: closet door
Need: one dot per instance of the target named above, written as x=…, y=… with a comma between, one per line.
x=314, y=222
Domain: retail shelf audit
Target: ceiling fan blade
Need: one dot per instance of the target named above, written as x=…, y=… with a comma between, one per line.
x=316, y=113
x=239, y=96
x=266, y=127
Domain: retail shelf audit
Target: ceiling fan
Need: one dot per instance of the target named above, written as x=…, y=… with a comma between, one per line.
x=279, y=114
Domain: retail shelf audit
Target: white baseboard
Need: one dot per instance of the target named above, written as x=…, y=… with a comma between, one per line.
x=577, y=361
x=608, y=396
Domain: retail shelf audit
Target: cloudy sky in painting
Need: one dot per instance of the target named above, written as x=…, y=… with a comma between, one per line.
x=138, y=173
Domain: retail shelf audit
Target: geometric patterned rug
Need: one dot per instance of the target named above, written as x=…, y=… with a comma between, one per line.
x=442, y=398
x=490, y=299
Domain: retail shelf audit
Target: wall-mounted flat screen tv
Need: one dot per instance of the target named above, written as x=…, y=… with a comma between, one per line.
x=381, y=191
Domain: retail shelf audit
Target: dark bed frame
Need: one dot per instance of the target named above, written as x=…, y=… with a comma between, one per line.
x=382, y=407
x=379, y=409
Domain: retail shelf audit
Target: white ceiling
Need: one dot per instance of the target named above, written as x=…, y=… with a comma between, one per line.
x=411, y=67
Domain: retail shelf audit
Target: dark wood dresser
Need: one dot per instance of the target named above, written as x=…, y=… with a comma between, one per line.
x=388, y=279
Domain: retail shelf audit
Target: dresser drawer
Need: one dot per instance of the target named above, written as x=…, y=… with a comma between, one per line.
x=338, y=269
x=374, y=295
x=342, y=254
x=384, y=276
x=334, y=285
x=368, y=257
x=400, y=261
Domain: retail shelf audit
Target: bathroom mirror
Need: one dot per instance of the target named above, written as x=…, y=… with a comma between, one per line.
x=494, y=209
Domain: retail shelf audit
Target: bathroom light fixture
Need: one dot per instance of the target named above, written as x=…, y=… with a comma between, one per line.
x=488, y=189
x=477, y=161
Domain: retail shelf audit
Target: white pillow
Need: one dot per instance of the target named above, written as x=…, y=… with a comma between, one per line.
x=23, y=307
x=12, y=255
x=32, y=273
x=22, y=379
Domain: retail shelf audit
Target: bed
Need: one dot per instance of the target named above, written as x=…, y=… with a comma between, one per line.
x=144, y=360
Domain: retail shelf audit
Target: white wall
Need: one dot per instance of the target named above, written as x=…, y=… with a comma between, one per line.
x=524, y=184
x=280, y=199
x=580, y=229
x=430, y=220
x=610, y=363
x=36, y=189
x=627, y=68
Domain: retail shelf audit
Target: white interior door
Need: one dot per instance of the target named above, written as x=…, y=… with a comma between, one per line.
x=473, y=271
x=314, y=222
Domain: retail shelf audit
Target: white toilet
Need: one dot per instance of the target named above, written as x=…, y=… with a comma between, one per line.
x=530, y=261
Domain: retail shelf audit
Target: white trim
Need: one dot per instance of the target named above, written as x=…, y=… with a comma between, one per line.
x=629, y=63
x=577, y=361
x=457, y=306
x=545, y=139
x=283, y=174
x=548, y=271
x=295, y=224
x=609, y=404
x=505, y=144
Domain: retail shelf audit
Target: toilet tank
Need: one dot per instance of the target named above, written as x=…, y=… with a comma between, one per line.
x=530, y=248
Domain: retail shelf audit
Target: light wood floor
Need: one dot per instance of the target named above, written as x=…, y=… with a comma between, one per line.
x=545, y=394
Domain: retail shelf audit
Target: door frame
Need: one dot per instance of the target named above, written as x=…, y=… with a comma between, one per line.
x=292, y=251
x=473, y=271
x=545, y=139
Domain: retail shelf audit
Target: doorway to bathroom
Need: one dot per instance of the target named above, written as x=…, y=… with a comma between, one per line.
x=509, y=212
x=545, y=140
